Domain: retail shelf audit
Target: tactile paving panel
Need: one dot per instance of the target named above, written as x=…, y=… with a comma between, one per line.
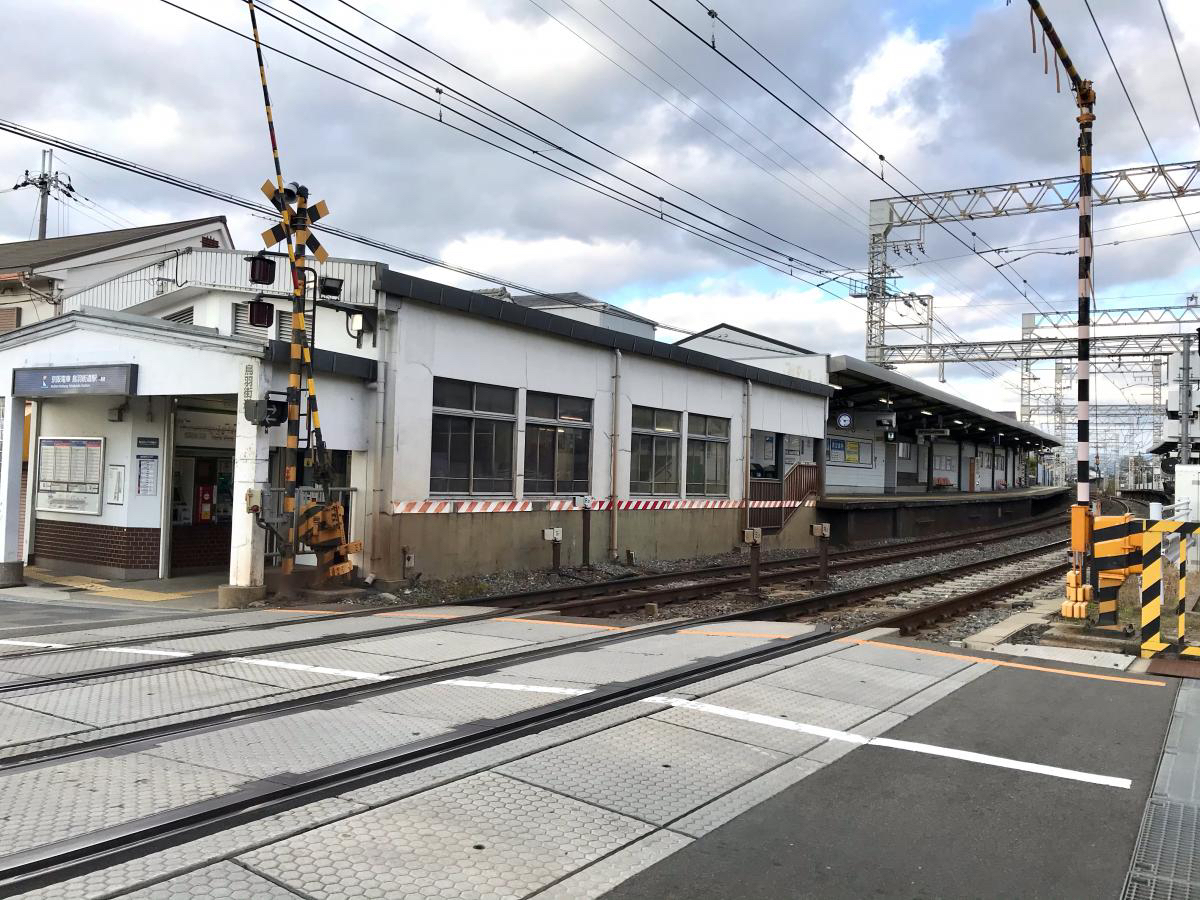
x=436, y=645
x=713, y=815
x=1168, y=845
x=851, y=682
x=601, y=877
x=771, y=700
x=177, y=860
x=684, y=646
x=223, y=881
x=651, y=770
x=440, y=773
x=459, y=703
x=54, y=802
x=343, y=658
x=19, y=725
x=536, y=630
x=68, y=662
x=299, y=742
x=141, y=698
x=486, y=836
x=906, y=660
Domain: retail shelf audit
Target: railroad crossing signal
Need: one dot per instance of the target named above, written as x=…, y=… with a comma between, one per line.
x=299, y=220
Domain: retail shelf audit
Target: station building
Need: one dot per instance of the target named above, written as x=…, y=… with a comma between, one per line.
x=461, y=427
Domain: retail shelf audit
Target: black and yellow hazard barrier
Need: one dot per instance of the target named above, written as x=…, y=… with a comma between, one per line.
x=1115, y=555
x=1151, y=637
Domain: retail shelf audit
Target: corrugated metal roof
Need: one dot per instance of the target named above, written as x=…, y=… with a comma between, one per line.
x=469, y=302
x=32, y=254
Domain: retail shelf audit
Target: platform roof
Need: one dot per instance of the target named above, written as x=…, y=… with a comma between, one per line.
x=919, y=406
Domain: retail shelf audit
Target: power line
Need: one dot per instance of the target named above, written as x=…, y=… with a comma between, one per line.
x=651, y=194
x=271, y=214
x=1192, y=100
x=1136, y=115
x=822, y=132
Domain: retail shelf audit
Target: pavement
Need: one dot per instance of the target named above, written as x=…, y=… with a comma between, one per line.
x=870, y=766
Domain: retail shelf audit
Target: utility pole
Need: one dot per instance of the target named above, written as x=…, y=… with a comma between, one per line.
x=1185, y=401
x=47, y=181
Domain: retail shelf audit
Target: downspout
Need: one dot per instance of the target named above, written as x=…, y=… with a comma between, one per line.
x=166, y=479
x=615, y=441
x=746, y=452
x=377, y=465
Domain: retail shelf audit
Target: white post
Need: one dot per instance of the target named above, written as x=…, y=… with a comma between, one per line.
x=12, y=435
x=250, y=457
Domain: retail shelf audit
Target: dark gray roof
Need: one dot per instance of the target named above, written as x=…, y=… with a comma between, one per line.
x=31, y=254
x=862, y=381
x=469, y=302
x=574, y=298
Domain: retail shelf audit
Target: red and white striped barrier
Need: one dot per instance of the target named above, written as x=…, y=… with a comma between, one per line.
x=403, y=507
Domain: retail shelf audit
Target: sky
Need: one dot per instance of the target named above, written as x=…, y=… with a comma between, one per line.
x=947, y=90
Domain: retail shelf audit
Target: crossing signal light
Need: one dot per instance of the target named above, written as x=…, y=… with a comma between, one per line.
x=262, y=268
x=262, y=313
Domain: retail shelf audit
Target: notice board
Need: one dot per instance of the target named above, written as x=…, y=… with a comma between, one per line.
x=69, y=474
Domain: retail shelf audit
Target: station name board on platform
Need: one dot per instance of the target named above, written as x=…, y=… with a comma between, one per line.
x=60, y=381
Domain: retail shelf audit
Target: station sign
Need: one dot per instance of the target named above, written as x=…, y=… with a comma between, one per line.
x=65, y=381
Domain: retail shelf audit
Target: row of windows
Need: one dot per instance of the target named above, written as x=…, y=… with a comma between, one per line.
x=473, y=447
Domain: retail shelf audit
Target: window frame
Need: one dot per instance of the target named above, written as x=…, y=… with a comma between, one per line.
x=560, y=425
x=474, y=415
x=655, y=434
x=706, y=441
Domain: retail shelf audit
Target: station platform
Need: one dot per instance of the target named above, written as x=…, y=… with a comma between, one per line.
x=865, y=518
x=863, y=766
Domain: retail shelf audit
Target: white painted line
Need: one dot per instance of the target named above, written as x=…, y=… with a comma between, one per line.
x=912, y=746
x=831, y=734
x=533, y=688
x=320, y=670
x=1004, y=763
x=13, y=643
x=138, y=650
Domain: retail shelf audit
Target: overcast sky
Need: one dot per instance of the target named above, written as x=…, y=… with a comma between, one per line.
x=947, y=90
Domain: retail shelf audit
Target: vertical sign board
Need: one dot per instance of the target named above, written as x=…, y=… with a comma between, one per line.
x=69, y=474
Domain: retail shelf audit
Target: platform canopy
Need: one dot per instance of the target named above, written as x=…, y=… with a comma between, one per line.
x=861, y=385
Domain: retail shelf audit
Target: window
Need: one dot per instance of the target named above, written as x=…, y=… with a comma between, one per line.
x=558, y=441
x=707, y=456
x=473, y=429
x=654, y=460
x=904, y=450
x=944, y=463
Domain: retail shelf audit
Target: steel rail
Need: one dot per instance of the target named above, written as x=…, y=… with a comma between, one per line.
x=56, y=861
x=355, y=692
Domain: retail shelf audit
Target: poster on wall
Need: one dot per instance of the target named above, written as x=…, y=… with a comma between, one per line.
x=846, y=452
x=114, y=484
x=147, y=475
x=837, y=450
x=69, y=473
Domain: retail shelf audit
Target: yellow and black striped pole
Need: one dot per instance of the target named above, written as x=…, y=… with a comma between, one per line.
x=1085, y=99
x=293, y=387
x=1185, y=541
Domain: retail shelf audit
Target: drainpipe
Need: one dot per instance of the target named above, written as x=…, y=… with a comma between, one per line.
x=746, y=451
x=615, y=441
x=166, y=478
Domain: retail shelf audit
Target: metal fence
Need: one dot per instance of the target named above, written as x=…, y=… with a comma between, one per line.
x=216, y=269
x=274, y=515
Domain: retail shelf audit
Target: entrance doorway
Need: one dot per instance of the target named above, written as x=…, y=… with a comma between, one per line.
x=202, y=485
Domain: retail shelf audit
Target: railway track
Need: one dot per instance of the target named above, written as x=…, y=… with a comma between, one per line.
x=955, y=589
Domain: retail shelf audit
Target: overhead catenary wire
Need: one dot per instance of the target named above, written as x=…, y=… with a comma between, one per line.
x=1179, y=62
x=271, y=214
x=1136, y=115
x=824, y=134
x=652, y=195
x=542, y=161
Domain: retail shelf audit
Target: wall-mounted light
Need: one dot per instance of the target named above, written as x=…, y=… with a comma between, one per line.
x=330, y=286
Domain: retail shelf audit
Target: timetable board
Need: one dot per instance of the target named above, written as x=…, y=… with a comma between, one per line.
x=70, y=474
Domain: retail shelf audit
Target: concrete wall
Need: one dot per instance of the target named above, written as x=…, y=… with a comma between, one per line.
x=456, y=545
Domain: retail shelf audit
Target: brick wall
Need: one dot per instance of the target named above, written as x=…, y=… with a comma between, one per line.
x=97, y=545
x=195, y=547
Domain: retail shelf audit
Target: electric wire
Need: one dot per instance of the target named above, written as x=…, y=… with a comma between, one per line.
x=1179, y=62
x=1137, y=116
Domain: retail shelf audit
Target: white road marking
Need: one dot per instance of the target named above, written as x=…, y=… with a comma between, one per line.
x=833, y=734
x=534, y=688
x=138, y=650
x=13, y=643
x=320, y=670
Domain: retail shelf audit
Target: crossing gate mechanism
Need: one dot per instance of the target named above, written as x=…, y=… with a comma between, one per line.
x=1122, y=547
